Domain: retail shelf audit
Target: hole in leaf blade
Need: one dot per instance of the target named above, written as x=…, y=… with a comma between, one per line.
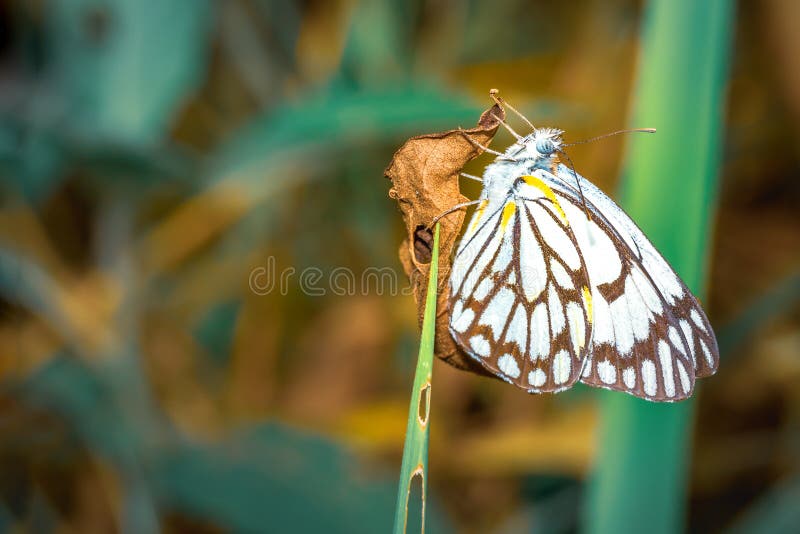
x=423, y=241
x=423, y=406
x=415, y=518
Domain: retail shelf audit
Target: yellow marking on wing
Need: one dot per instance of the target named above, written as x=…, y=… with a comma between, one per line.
x=580, y=342
x=577, y=330
x=508, y=211
x=587, y=302
x=545, y=189
x=478, y=215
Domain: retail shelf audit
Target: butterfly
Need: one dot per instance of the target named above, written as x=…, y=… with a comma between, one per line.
x=553, y=283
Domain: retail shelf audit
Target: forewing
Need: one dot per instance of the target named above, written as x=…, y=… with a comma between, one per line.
x=651, y=336
x=519, y=291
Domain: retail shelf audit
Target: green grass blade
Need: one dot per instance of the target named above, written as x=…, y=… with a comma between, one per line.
x=415, y=450
x=669, y=189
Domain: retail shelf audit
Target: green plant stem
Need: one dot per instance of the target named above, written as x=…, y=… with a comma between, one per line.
x=669, y=189
x=415, y=449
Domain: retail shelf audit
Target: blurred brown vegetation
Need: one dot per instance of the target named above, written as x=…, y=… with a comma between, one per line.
x=141, y=253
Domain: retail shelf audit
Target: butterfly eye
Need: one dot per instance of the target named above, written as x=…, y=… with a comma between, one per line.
x=544, y=146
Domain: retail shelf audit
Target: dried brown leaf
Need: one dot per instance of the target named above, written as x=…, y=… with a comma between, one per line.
x=424, y=175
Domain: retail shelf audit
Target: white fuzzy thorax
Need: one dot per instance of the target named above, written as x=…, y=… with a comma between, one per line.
x=523, y=159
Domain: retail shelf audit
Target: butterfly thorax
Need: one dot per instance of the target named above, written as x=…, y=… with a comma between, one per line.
x=533, y=151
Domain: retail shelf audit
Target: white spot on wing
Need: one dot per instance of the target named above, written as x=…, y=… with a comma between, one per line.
x=649, y=377
x=540, y=333
x=560, y=274
x=472, y=249
x=480, y=346
x=685, y=384
x=518, y=329
x=532, y=267
x=607, y=372
x=458, y=309
x=562, y=365
x=638, y=312
x=646, y=290
x=506, y=250
x=498, y=310
x=665, y=356
x=483, y=289
x=629, y=377
x=461, y=322
x=603, y=331
x=698, y=320
x=676, y=340
x=555, y=236
x=557, y=321
x=621, y=325
x=602, y=259
x=661, y=273
x=474, y=241
x=508, y=365
x=706, y=352
x=537, y=378
x=577, y=328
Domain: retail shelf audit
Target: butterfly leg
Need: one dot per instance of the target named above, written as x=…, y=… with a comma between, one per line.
x=507, y=127
x=485, y=148
x=454, y=208
x=471, y=177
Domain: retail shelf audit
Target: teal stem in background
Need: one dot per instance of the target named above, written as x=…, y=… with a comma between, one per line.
x=669, y=188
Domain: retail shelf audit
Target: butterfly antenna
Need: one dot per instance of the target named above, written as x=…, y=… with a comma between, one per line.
x=632, y=130
x=580, y=192
x=503, y=104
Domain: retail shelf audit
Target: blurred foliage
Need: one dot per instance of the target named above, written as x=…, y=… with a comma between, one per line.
x=681, y=87
x=155, y=153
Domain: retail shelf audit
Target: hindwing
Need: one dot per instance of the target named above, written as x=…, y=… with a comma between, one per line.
x=520, y=294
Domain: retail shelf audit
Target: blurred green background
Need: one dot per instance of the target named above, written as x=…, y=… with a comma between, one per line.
x=155, y=154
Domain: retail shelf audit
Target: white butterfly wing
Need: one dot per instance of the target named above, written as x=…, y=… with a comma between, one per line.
x=651, y=337
x=520, y=296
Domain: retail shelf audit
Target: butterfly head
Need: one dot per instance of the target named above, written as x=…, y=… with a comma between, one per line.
x=541, y=144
